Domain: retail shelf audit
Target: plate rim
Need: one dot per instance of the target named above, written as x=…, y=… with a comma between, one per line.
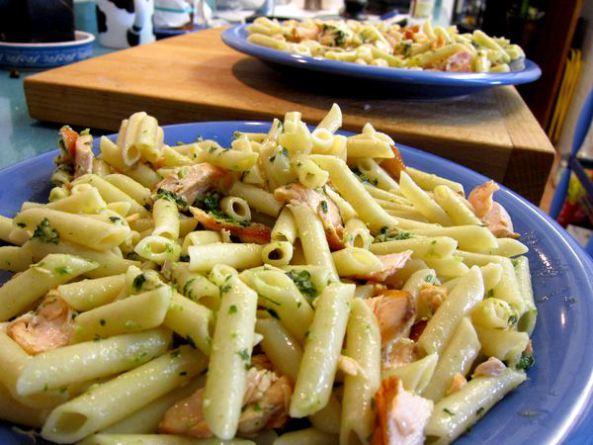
x=235, y=37
x=572, y=418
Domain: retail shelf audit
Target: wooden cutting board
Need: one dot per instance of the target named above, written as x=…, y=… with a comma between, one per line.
x=196, y=77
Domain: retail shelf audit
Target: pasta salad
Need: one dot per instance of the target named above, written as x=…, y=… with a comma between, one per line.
x=389, y=45
x=298, y=287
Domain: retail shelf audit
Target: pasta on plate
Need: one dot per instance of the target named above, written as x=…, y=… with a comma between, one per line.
x=194, y=294
x=383, y=44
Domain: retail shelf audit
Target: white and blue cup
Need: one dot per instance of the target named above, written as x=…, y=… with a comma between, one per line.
x=125, y=23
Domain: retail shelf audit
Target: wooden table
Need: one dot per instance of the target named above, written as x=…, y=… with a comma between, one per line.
x=196, y=77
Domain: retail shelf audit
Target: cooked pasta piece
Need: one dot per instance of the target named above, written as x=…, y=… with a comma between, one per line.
x=322, y=349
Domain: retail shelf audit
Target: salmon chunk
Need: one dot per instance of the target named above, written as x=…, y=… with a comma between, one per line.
x=47, y=328
x=401, y=415
x=322, y=205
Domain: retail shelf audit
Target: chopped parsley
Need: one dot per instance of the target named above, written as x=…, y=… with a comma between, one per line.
x=46, y=233
x=21, y=224
x=512, y=320
x=139, y=282
x=386, y=234
x=490, y=293
x=170, y=196
x=324, y=206
x=303, y=282
x=63, y=270
x=115, y=219
x=187, y=288
x=363, y=177
x=448, y=411
x=515, y=262
x=525, y=362
x=184, y=258
x=139, y=358
x=244, y=354
x=479, y=411
x=430, y=278
x=210, y=201
x=225, y=288
x=232, y=309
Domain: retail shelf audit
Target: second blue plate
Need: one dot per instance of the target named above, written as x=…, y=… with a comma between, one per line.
x=397, y=81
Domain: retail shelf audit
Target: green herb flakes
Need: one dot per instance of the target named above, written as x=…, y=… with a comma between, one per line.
x=46, y=233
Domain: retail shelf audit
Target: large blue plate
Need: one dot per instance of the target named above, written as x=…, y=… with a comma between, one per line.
x=401, y=82
x=550, y=407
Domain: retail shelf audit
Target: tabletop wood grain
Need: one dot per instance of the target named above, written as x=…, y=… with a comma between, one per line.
x=197, y=78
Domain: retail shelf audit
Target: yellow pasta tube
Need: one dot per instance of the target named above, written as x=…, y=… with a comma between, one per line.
x=130, y=187
x=415, y=376
x=257, y=198
x=231, y=356
x=354, y=192
x=80, y=229
x=284, y=228
x=5, y=228
x=236, y=208
x=332, y=121
x=458, y=303
x=422, y=247
x=322, y=350
x=132, y=314
x=109, y=402
x=88, y=294
x=309, y=173
x=457, y=358
x=429, y=181
x=363, y=344
x=111, y=193
x=24, y=289
x=280, y=346
x=422, y=201
x=14, y=258
x=158, y=249
x=354, y=261
x=107, y=262
x=196, y=286
x=314, y=242
x=15, y=412
x=455, y=205
x=90, y=360
x=281, y=296
x=277, y=253
x=357, y=234
x=166, y=219
x=191, y=321
x=82, y=200
x=239, y=256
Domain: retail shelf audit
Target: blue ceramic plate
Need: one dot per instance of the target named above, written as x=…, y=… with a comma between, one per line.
x=404, y=82
x=548, y=408
x=46, y=55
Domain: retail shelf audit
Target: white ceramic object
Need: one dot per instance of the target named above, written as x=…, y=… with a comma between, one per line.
x=125, y=23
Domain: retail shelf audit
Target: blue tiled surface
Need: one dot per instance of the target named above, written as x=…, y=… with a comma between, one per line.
x=20, y=136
